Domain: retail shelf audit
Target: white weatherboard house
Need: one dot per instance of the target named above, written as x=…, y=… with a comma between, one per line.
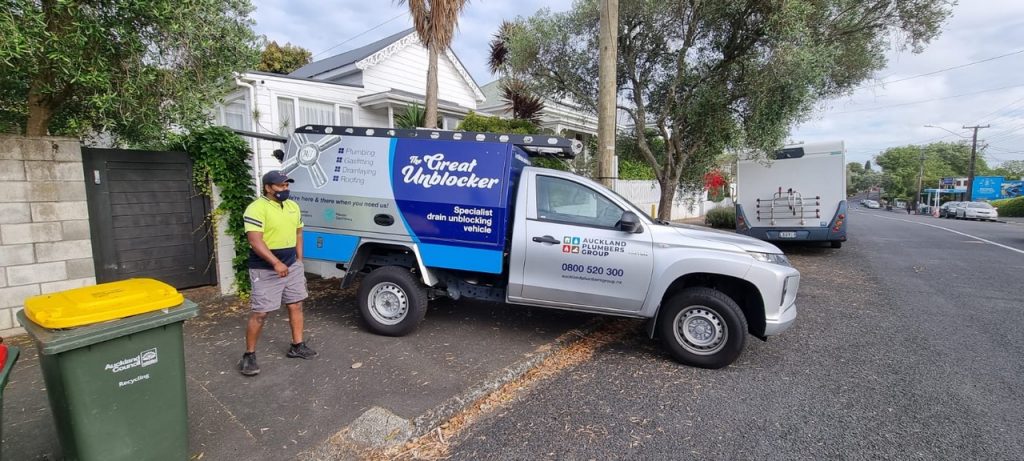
x=367, y=86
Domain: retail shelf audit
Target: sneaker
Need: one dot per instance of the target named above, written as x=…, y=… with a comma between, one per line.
x=302, y=351
x=248, y=365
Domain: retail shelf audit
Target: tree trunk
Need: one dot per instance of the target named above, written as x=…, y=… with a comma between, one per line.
x=431, y=103
x=668, y=195
x=39, y=114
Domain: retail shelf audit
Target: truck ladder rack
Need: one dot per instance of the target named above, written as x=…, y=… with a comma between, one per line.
x=533, y=144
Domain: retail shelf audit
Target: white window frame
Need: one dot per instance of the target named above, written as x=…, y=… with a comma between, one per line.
x=297, y=100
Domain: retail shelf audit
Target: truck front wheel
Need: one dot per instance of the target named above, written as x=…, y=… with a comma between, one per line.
x=392, y=301
x=702, y=327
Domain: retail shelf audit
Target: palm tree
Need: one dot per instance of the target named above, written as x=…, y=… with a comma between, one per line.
x=525, y=104
x=435, y=22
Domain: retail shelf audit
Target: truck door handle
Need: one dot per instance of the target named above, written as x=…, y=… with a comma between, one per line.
x=546, y=239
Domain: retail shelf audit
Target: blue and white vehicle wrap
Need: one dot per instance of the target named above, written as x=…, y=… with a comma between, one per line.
x=450, y=198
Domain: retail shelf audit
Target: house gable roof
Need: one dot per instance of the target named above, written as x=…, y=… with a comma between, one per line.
x=322, y=66
x=367, y=56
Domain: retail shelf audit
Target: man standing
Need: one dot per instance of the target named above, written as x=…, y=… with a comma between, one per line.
x=273, y=225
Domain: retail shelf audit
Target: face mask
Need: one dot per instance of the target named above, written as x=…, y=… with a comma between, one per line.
x=281, y=196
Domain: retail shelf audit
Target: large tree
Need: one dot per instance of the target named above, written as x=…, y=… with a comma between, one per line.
x=130, y=69
x=285, y=59
x=902, y=166
x=712, y=76
x=435, y=22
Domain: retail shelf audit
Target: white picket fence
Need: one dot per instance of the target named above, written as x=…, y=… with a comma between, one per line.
x=647, y=194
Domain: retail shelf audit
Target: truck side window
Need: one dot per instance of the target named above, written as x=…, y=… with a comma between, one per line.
x=568, y=202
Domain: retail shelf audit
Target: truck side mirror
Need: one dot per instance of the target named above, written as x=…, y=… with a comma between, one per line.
x=629, y=222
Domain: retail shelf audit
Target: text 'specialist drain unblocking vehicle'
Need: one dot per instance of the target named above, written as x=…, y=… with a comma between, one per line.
x=418, y=214
x=113, y=361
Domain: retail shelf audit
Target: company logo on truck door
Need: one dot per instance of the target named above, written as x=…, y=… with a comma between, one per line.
x=592, y=246
x=433, y=170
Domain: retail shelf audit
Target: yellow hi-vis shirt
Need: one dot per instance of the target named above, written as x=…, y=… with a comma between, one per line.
x=278, y=222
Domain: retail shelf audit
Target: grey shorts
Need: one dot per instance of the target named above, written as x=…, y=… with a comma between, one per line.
x=269, y=290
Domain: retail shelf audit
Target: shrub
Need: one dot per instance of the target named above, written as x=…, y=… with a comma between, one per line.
x=1010, y=207
x=724, y=217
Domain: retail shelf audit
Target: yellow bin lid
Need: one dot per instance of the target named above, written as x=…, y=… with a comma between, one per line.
x=100, y=303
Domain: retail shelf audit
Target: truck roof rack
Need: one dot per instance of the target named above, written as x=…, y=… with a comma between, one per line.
x=533, y=144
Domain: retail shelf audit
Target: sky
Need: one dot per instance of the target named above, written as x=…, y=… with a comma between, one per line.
x=975, y=70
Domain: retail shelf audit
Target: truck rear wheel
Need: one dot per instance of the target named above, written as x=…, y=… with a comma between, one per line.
x=392, y=301
x=702, y=327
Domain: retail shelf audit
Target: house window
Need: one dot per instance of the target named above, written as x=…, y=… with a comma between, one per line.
x=315, y=113
x=345, y=116
x=286, y=116
x=233, y=115
x=450, y=123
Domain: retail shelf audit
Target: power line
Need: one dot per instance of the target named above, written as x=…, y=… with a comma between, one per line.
x=926, y=100
x=1015, y=102
x=362, y=33
x=944, y=70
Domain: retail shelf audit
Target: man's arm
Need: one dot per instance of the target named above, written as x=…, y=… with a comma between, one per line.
x=261, y=250
x=298, y=243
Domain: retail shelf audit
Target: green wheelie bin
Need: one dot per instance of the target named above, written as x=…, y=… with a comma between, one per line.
x=113, y=361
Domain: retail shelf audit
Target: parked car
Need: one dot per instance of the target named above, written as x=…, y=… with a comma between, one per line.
x=872, y=204
x=976, y=210
x=948, y=209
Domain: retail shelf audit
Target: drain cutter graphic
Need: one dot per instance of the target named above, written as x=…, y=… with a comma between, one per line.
x=305, y=153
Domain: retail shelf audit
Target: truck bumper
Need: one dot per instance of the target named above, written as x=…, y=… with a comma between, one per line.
x=773, y=327
x=805, y=234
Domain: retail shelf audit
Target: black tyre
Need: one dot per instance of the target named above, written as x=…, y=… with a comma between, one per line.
x=392, y=301
x=702, y=327
x=836, y=244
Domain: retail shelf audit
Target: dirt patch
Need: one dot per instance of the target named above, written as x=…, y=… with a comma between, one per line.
x=435, y=444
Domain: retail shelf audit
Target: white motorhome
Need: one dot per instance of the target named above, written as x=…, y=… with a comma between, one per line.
x=798, y=194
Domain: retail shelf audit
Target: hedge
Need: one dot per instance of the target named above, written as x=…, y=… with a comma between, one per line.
x=724, y=217
x=1010, y=207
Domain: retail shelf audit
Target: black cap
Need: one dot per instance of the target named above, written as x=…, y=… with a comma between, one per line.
x=276, y=177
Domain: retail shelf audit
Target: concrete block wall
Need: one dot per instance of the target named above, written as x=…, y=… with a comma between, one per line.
x=45, y=245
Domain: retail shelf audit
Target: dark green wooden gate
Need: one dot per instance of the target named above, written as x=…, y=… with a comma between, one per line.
x=146, y=217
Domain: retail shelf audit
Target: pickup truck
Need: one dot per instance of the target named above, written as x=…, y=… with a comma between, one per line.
x=413, y=215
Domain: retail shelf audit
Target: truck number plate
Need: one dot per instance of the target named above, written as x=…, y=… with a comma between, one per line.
x=787, y=235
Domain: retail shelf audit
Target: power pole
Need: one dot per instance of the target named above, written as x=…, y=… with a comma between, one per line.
x=606, y=96
x=974, y=154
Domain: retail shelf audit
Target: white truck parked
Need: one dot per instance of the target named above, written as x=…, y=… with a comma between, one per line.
x=799, y=195
x=421, y=214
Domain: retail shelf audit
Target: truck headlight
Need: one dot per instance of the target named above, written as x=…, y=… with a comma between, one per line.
x=775, y=258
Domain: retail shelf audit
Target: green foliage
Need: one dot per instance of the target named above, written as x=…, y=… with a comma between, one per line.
x=721, y=218
x=488, y=124
x=902, y=166
x=635, y=169
x=414, y=116
x=1010, y=207
x=716, y=76
x=130, y=69
x=219, y=156
x=285, y=59
x=1010, y=169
